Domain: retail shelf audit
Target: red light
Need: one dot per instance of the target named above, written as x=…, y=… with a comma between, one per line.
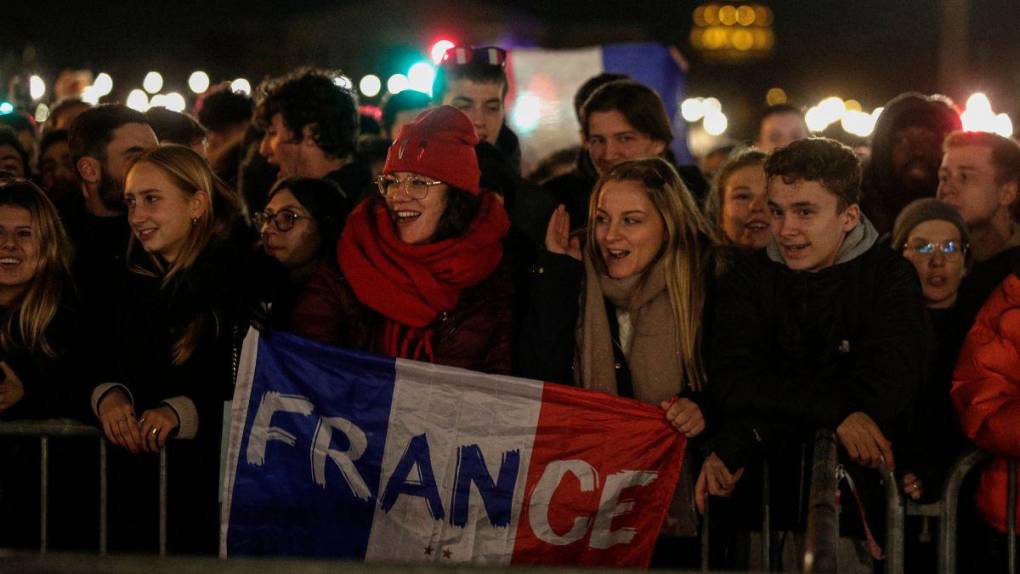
x=439, y=49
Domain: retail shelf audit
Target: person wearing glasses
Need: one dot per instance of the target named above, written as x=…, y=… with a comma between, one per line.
x=933, y=237
x=299, y=229
x=420, y=272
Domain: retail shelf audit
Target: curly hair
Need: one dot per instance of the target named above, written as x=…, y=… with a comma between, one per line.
x=824, y=160
x=311, y=97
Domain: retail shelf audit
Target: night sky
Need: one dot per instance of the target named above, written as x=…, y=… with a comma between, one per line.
x=865, y=49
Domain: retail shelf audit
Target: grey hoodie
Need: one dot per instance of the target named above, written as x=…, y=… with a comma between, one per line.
x=860, y=239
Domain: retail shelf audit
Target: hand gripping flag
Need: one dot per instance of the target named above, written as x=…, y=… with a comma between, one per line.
x=334, y=453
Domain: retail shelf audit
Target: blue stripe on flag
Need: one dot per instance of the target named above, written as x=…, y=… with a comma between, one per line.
x=651, y=64
x=316, y=461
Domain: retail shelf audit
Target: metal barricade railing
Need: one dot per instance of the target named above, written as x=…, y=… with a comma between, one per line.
x=65, y=428
x=821, y=539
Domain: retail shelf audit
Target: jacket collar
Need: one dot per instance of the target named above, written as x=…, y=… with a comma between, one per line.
x=858, y=241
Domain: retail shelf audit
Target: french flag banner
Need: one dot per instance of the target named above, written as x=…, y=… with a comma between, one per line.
x=334, y=453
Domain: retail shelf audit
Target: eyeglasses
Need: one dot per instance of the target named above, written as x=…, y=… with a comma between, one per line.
x=283, y=220
x=951, y=250
x=463, y=55
x=416, y=187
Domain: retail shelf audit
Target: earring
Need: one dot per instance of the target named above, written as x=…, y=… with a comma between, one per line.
x=194, y=221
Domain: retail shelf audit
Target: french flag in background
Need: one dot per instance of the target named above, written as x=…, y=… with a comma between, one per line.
x=340, y=454
x=543, y=83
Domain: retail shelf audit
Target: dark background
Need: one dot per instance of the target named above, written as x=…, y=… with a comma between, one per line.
x=869, y=50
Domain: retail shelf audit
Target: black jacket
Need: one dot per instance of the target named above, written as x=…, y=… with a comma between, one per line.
x=790, y=352
x=141, y=334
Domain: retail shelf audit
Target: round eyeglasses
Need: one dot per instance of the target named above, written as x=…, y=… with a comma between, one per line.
x=283, y=220
x=951, y=250
x=415, y=187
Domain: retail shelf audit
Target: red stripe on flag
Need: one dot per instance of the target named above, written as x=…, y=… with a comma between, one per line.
x=602, y=474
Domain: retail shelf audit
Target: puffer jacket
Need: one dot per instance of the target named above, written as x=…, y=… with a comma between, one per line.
x=986, y=393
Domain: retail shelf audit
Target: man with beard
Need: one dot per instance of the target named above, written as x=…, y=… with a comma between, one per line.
x=56, y=174
x=103, y=142
x=906, y=149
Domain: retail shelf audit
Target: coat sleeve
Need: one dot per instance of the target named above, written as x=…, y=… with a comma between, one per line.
x=547, y=332
x=986, y=383
x=892, y=351
x=319, y=314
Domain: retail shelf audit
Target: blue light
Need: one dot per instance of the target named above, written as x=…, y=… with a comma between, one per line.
x=6, y=108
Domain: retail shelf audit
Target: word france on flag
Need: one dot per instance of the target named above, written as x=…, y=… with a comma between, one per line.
x=334, y=453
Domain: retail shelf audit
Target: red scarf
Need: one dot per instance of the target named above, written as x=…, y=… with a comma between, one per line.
x=409, y=284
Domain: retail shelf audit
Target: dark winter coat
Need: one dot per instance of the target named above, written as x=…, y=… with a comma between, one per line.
x=142, y=331
x=791, y=352
x=475, y=335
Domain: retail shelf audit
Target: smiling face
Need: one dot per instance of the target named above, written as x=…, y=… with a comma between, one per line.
x=298, y=246
x=612, y=141
x=160, y=212
x=745, y=216
x=628, y=228
x=416, y=220
x=807, y=224
x=940, y=273
x=19, y=251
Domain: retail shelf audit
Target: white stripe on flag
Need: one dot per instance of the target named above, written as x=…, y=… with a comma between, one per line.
x=242, y=396
x=453, y=407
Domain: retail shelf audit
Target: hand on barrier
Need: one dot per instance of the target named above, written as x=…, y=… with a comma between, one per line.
x=685, y=416
x=864, y=441
x=716, y=479
x=156, y=426
x=119, y=424
x=912, y=486
x=557, y=235
x=11, y=388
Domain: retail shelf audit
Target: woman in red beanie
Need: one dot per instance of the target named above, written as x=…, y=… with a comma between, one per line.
x=420, y=272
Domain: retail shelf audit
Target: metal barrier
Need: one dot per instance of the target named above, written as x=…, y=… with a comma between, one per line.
x=821, y=541
x=822, y=536
x=65, y=428
x=947, y=509
x=765, y=548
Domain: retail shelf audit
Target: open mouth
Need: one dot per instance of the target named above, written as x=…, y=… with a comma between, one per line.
x=145, y=234
x=795, y=250
x=405, y=216
x=757, y=225
x=617, y=254
x=8, y=262
x=933, y=280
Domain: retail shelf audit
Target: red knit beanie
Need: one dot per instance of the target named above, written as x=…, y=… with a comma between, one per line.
x=439, y=143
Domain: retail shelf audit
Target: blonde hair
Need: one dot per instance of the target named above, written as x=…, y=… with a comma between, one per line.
x=38, y=305
x=189, y=171
x=685, y=252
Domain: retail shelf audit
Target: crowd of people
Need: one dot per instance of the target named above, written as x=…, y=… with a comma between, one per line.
x=790, y=285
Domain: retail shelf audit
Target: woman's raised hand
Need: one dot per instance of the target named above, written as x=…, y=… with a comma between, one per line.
x=557, y=235
x=685, y=416
x=119, y=423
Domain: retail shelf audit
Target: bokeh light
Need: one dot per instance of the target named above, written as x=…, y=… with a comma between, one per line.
x=241, y=86
x=370, y=85
x=153, y=82
x=439, y=50
x=397, y=83
x=36, y=88
x=138, y=100
x=198, y=82
x=421, y=76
